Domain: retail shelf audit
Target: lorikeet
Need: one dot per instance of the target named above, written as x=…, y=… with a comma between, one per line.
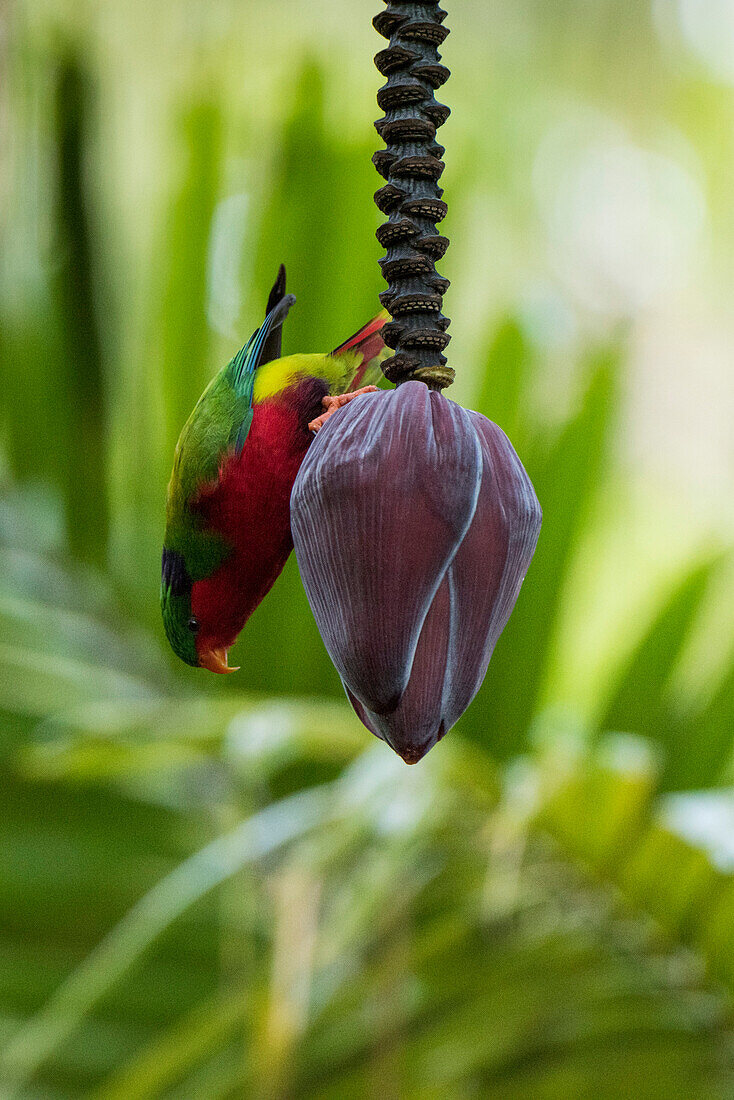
x=228, y=531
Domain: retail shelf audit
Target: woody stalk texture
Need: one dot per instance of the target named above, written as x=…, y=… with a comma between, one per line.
x=412, y=199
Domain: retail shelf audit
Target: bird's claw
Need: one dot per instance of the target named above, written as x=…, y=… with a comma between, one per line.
x=332, y=403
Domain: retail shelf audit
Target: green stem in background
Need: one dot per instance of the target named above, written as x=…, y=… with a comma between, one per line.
x=85, y=486
x=411, y=163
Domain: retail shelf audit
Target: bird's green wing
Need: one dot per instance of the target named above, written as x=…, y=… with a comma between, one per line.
x=208, y=434
x=222, y=417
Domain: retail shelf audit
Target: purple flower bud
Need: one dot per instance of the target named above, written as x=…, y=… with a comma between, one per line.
x=414, y=524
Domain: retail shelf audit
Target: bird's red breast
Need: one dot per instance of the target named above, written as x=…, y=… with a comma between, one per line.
x=249, y=507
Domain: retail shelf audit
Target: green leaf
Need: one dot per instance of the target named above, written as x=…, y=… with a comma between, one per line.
x=701, y=753
x=639, y=702
x=506, y=381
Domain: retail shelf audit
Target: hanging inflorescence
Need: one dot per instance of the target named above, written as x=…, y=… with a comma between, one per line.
x=412, y=166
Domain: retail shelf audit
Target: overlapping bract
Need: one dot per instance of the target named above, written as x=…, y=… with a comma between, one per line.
x=414, y=524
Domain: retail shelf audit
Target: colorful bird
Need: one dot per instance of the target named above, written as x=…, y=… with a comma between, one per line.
x=228, y=532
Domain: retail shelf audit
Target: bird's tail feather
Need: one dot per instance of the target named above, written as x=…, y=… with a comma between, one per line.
x=367, y=349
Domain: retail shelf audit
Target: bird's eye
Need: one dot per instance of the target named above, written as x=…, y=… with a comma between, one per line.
x=193, y=624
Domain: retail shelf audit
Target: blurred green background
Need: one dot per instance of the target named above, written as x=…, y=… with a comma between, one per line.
x=220, y=890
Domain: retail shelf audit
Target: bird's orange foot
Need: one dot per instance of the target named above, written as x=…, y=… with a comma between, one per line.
x=331, y=404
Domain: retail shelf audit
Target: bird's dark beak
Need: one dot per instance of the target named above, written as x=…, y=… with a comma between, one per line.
x=216, y=660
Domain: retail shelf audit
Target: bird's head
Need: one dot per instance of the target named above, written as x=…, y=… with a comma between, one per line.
x=194, y=637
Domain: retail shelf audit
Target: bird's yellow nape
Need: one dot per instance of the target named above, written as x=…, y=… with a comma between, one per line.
x=272, y=378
